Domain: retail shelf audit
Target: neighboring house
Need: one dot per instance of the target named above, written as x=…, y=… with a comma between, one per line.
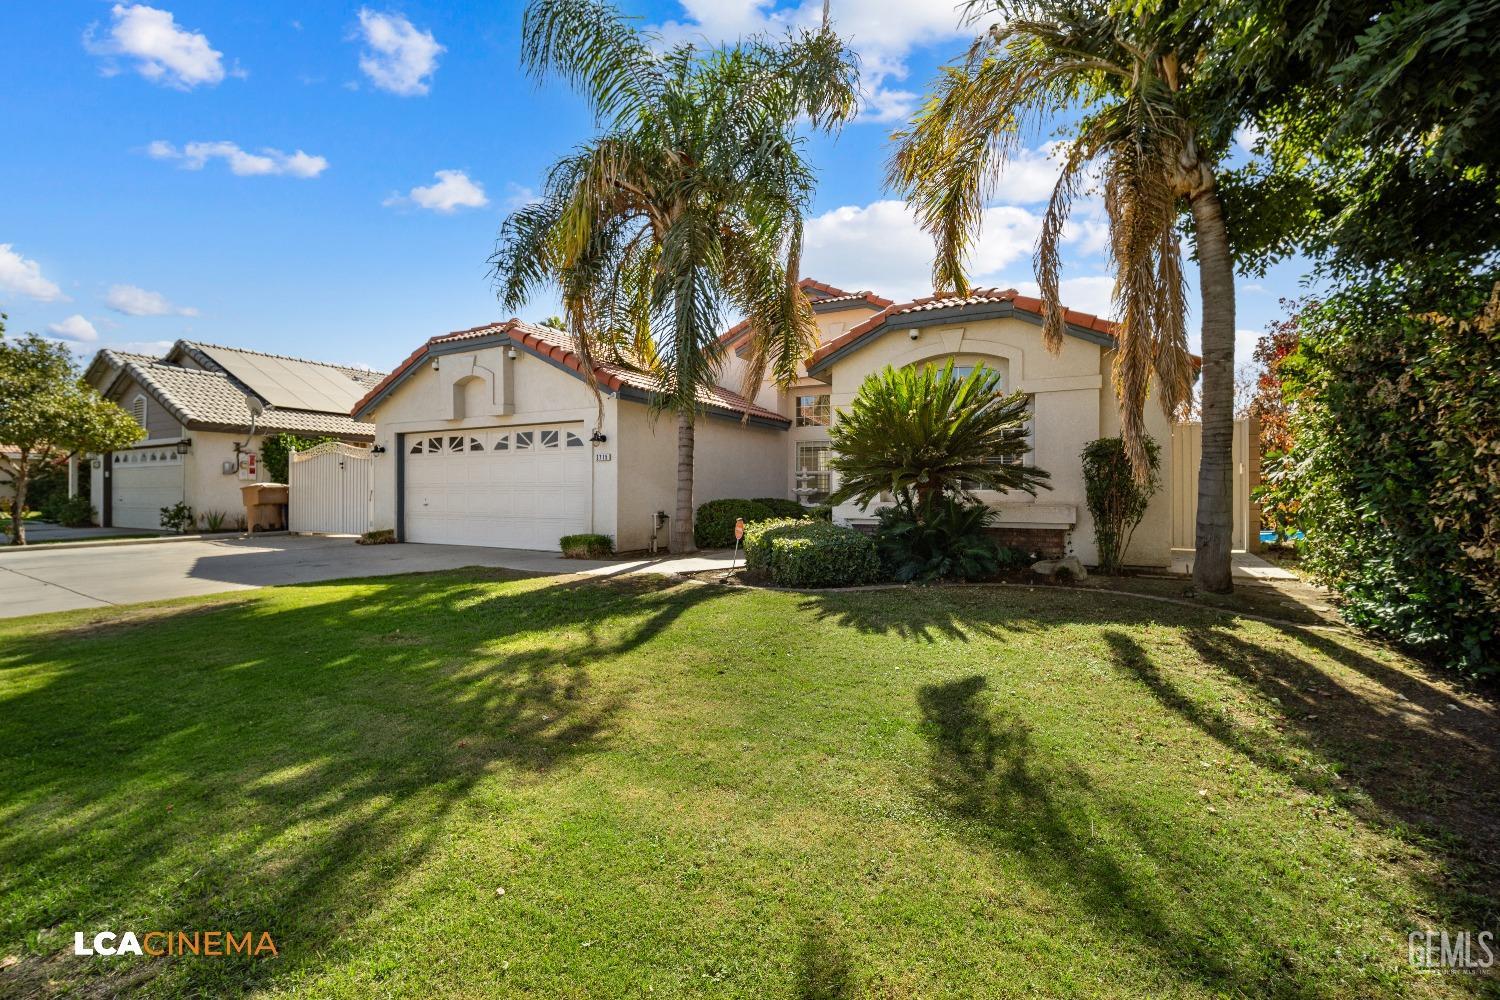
x=198, y=443
x=491, y=436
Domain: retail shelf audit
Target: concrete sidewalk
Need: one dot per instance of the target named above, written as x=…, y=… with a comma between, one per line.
x=42, y=579
x=1242, y=566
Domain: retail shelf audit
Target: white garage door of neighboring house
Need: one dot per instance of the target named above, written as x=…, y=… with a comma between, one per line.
x=142, y=482
x=513, y=487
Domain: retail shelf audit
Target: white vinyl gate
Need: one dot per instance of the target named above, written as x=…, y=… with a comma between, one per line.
x=329, y=489
x=1187, y=455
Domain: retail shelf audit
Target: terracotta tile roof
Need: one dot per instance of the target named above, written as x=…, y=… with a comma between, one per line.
x=213, y=400
x=819, y=294
x=560, y=347
x=979, y=296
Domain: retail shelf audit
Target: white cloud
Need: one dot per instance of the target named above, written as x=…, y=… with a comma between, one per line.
x=75, y=327
x=267, y=162
x=134, y=301
x=398, y=56
x=1090, y=293
x=883, y=32
x=1248, y=137
x=880, y=246
x=452, y=191
x=164, y=52
x=21, y=276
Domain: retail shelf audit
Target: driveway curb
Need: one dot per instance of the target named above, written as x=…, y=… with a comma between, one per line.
x=114, y=542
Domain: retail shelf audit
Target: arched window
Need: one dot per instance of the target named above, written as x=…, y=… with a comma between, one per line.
x=138, y=409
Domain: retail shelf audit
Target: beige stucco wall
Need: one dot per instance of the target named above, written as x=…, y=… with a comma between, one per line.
x=206, y=487
x=160, y=424
x=729, y=460
x=1074, y=404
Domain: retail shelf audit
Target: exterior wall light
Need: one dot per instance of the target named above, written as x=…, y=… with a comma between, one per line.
x=184, y=445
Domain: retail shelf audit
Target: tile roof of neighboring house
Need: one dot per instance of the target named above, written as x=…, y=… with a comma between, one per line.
x=560, y=348
x=213, y=400
x=819, y=294
x=1086, y=324
x=361, y=375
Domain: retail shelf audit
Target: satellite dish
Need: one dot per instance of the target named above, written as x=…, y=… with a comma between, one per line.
x=254, y=405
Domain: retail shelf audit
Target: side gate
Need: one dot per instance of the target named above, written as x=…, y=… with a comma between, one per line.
x=329, y=489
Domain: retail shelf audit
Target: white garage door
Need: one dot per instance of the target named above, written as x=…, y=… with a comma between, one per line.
x=512, y=487
x=142, y=482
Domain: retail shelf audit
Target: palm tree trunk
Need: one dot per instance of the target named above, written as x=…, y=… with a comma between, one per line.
x=682, y=520
x=1215, y=526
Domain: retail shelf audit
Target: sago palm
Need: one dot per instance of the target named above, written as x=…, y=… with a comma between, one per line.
x=920, y=433
x=1123, y=75
x=689, y=201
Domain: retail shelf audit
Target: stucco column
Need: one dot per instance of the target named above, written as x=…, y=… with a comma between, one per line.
x=72, y=476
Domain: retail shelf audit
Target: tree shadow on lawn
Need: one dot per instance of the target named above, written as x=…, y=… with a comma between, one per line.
x=1409, y=756
x=265, y=767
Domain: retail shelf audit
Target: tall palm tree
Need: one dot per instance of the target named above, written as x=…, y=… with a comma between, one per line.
x=1125, y=74
x=688, y=201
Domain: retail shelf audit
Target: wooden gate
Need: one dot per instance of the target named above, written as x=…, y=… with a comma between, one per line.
x=329, y=489
x=1187, y=453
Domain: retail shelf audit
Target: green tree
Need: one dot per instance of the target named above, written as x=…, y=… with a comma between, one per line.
x=922, y=433
x=47, y=412
x=689, y=200
x=1378, y=120
x=1125, y=77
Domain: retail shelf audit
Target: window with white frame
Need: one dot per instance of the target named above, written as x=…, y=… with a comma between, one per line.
x=814, y=475
x=814, y=411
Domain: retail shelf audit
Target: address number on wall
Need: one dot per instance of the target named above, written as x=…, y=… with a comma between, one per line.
x=604, y=456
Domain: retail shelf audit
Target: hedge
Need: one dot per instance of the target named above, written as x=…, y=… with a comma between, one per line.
x=586, y=546
x=782, y=507
x=1396, y=460
x=713, y=528
x=801, y=553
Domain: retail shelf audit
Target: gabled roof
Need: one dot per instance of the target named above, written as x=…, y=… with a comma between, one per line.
x=282, y=381
x=209, y=400
x=561, y=350
x=983, y=303
x=824, y=298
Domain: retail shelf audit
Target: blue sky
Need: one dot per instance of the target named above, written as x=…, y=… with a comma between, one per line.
x=326, y=180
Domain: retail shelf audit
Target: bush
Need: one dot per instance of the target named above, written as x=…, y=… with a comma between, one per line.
x=381, y=536
x=74, y=513
x=781, y=507
x=951, y=544
x=585, y=546
x=213, y=520
x=820, y=512
x=1116, y=499
x=1396, y=460
x=178, y=517
x=713, y=528
x=798, y=553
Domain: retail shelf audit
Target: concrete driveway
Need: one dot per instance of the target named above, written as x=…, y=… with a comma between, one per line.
x=48, y=578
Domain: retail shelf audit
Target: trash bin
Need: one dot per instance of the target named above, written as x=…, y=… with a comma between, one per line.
x=265, y=506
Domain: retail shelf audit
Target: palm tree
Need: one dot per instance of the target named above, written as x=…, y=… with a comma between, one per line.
x=690, y=200
x=1126, y=72
x=922, y=433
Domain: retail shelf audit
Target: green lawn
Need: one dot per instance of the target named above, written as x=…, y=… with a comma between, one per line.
x=690, y=790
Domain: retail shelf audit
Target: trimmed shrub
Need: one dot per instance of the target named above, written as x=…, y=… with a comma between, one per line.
x=799, y=553
x=713, y=528
x=1117, y=500
x=781, y=507
x=75, y=513
x=178, y=517
x=820, y=512
x=951, y=544
x=383, y=536
x=585, y=546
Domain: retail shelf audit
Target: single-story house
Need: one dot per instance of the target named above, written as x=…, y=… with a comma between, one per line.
x=201, y=445
x=491, y=436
